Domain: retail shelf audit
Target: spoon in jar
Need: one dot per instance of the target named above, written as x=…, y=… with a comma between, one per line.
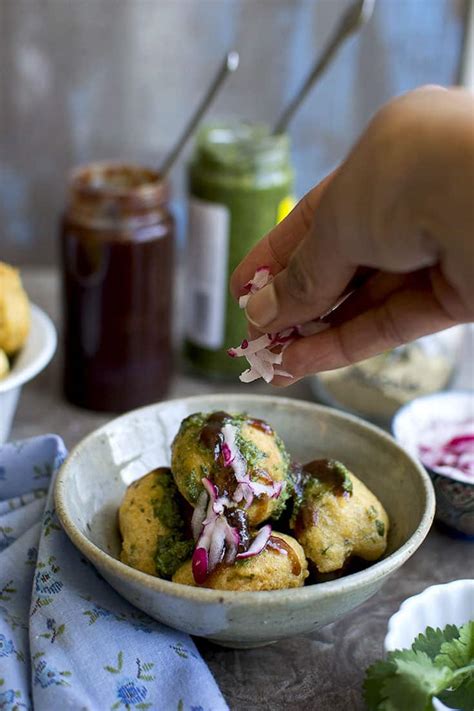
x=228, y=66
x=356, y=16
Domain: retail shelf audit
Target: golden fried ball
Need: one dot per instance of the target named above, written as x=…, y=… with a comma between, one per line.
x=14, y=310
x=192, y=459
x=152, y=525
x=4, y=364
x=333, y=524
x=280, y=565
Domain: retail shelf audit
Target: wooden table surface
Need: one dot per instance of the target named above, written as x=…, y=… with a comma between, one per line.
x=321, y=671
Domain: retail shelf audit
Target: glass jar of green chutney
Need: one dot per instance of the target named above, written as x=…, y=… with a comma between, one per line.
x=240, y=186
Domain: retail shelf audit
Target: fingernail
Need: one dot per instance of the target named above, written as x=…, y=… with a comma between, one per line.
x=262, y=307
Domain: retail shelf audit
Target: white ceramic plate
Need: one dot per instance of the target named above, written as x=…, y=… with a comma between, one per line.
x=34, y=356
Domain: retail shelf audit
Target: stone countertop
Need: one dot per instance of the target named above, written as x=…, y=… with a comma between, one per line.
x=322, y=670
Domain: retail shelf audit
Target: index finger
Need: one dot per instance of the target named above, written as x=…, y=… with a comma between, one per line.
x=276, y=247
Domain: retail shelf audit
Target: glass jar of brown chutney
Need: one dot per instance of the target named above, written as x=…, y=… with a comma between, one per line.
x=117, y=241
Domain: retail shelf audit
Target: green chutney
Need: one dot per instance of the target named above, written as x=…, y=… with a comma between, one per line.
x=240, y=186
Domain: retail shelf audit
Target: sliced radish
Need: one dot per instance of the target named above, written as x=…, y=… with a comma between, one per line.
x=258, y=543
x=226, y=453
x=222, y=503
x=272, y=490
x=249, y=375
x=261, y=277
x=217, y=543
x=247, y=348
x=232, y=540
x=237, y=461
x=200, y=565
x=259, y=351
x=210, y=488
x=199, y=514
x=217, y=540
x=244, y=492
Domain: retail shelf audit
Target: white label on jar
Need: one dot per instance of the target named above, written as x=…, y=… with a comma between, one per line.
x=207, y=267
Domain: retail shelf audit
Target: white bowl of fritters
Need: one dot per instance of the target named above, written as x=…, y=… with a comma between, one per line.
x=92, y=482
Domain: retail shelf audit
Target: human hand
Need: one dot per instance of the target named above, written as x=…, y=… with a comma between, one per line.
x=397, y=215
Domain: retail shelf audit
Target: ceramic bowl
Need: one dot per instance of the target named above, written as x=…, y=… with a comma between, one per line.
x=375, y=389
x=437, y=606
x=32, y=359
x=454, y=497
x=92, y=482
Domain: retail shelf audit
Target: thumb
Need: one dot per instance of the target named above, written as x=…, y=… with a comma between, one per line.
x=315, y=277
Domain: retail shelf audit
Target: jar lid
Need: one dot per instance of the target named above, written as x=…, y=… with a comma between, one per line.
x=240, y=146
x=107, y=192
x=119, y=181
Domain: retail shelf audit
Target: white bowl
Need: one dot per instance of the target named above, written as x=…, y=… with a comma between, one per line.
x=34, y=356
x=455, y=493
x=414, y=419
x=93, y=480
x=437, y=606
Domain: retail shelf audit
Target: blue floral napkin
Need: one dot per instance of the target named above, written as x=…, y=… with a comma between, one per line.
x=67, y=640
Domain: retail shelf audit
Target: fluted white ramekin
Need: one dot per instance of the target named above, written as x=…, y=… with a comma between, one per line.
x=437, y=606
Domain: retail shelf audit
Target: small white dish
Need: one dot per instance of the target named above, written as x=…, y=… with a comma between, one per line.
x=412, y=421
x=454, y=493
x=32, y=359
x=437, y=606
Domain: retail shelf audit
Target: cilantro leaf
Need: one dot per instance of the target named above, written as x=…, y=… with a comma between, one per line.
x=458, y=653
x=430, y=642
x=407, y=679
x=374, y=678
x=439, y=664
x=415, y=682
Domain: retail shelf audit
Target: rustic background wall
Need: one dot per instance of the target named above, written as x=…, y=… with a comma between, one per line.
x=91, y=79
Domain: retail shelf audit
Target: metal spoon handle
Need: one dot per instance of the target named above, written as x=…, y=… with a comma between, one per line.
x=229, y=65
x=355, y=17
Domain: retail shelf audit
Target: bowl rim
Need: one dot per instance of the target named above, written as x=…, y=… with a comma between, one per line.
x=398, y=616
x=352, y=582
x=441, y=395
x=20, y=375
